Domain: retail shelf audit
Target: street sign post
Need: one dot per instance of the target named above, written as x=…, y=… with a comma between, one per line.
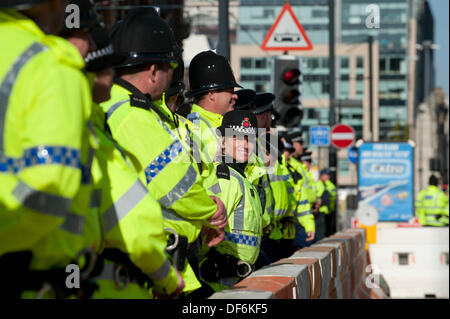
x=319, y=135
x=286, y=33
x=342, y=136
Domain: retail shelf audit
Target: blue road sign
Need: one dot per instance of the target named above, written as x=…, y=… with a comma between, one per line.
x=319, y=136
x=352, y=154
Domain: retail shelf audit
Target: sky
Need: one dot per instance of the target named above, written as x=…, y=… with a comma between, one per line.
x=440, y=8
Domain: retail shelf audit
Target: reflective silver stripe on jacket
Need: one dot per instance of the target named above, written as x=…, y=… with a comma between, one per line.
x=114, y=107
x=9, y=80
x=109, y=273
x=215, y=188
x=304, y=213
x=238, y=223
x=278, y=178
x=49, y=204
x=280, y=212
x=181, y=188
x=213, y=131
x=121, y=207
x=161, y=272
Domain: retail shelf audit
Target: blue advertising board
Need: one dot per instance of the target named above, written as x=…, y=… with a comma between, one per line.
x=319, y=135
x=385, y=179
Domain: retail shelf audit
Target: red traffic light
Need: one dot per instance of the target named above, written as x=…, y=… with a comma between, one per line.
x=291, y=76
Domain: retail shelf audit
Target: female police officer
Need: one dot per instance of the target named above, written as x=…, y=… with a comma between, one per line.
x=234, y=258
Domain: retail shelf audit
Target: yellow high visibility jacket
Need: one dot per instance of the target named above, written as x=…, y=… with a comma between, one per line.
x=130, y=220
x=308, y=182
x=162, y=161
x=244, y=230
x=184, y=130
x=303, y=207
x=432, y=207
x=204, y=133
x=45, y=103
x=283, y=193
x=324, y=195
x=333, y=194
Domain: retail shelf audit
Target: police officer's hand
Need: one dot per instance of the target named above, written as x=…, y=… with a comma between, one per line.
x=177, y=292
x=310, y=235
x=219, y=218
x=213, y=236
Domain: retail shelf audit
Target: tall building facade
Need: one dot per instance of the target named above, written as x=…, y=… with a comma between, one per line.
x=397, y=80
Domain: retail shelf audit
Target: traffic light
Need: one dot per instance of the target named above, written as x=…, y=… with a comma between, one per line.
x=286, y=85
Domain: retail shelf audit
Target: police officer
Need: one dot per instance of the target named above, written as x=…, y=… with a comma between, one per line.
x=327, y=192
x=128, y=213
x=145, y=130
x=306, y=159
x=432, y=205
x=256, y=170
x=234, y=258
x=44, y=106
x=211, y=85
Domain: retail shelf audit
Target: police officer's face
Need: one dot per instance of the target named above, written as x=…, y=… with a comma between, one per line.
x=239, y=147
x=264, y=119
x=224, y=100
x=160, y=78
x=298, y=148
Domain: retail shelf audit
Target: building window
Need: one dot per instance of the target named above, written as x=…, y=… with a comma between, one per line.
x=325, y=63
x=246, y=63
x=325, y=86
x=260, y=63
x=382, y=65
x=359, y=62
x=313, y=63
x=395, y=64
x=319, y=13
x=344, y=62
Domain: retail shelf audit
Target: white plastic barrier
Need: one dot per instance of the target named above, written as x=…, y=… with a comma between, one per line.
x=414, y=261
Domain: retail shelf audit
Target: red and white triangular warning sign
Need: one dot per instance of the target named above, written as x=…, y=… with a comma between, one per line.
x=286, y=33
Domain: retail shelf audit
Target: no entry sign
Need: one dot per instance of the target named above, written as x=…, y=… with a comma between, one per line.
x=342, y=136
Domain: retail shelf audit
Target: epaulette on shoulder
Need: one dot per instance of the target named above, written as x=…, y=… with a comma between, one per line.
x=223, y=171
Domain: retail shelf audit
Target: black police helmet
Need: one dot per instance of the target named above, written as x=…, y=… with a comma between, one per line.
x=239, y=122
x=144, y=37
x=210, y=71
x=245, y=100
x=104, y=56
x=20, y=4
x=177, y=85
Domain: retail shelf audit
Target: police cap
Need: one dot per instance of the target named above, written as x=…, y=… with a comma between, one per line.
x=239, y=122
x=325, y=171
x=296, y=136
x=263, y=103
x=104, y=56
x=306, y=157
x=144, y=37
x=210, y=71
x=245, y=100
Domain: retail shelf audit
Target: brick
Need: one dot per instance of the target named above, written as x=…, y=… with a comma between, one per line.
x=353, y=242
x=315, y=277
x=325, y=268
x=347, y=248
x=280, y=287
x=334, y=256
x=242, y=294
x=298, y=272
x=361, y=231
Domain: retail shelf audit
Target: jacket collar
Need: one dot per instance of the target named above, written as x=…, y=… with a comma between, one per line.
x=213, y=118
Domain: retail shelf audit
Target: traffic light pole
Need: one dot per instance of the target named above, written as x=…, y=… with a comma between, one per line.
x=332, y=163
x=332, y=157
x=223, y=47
